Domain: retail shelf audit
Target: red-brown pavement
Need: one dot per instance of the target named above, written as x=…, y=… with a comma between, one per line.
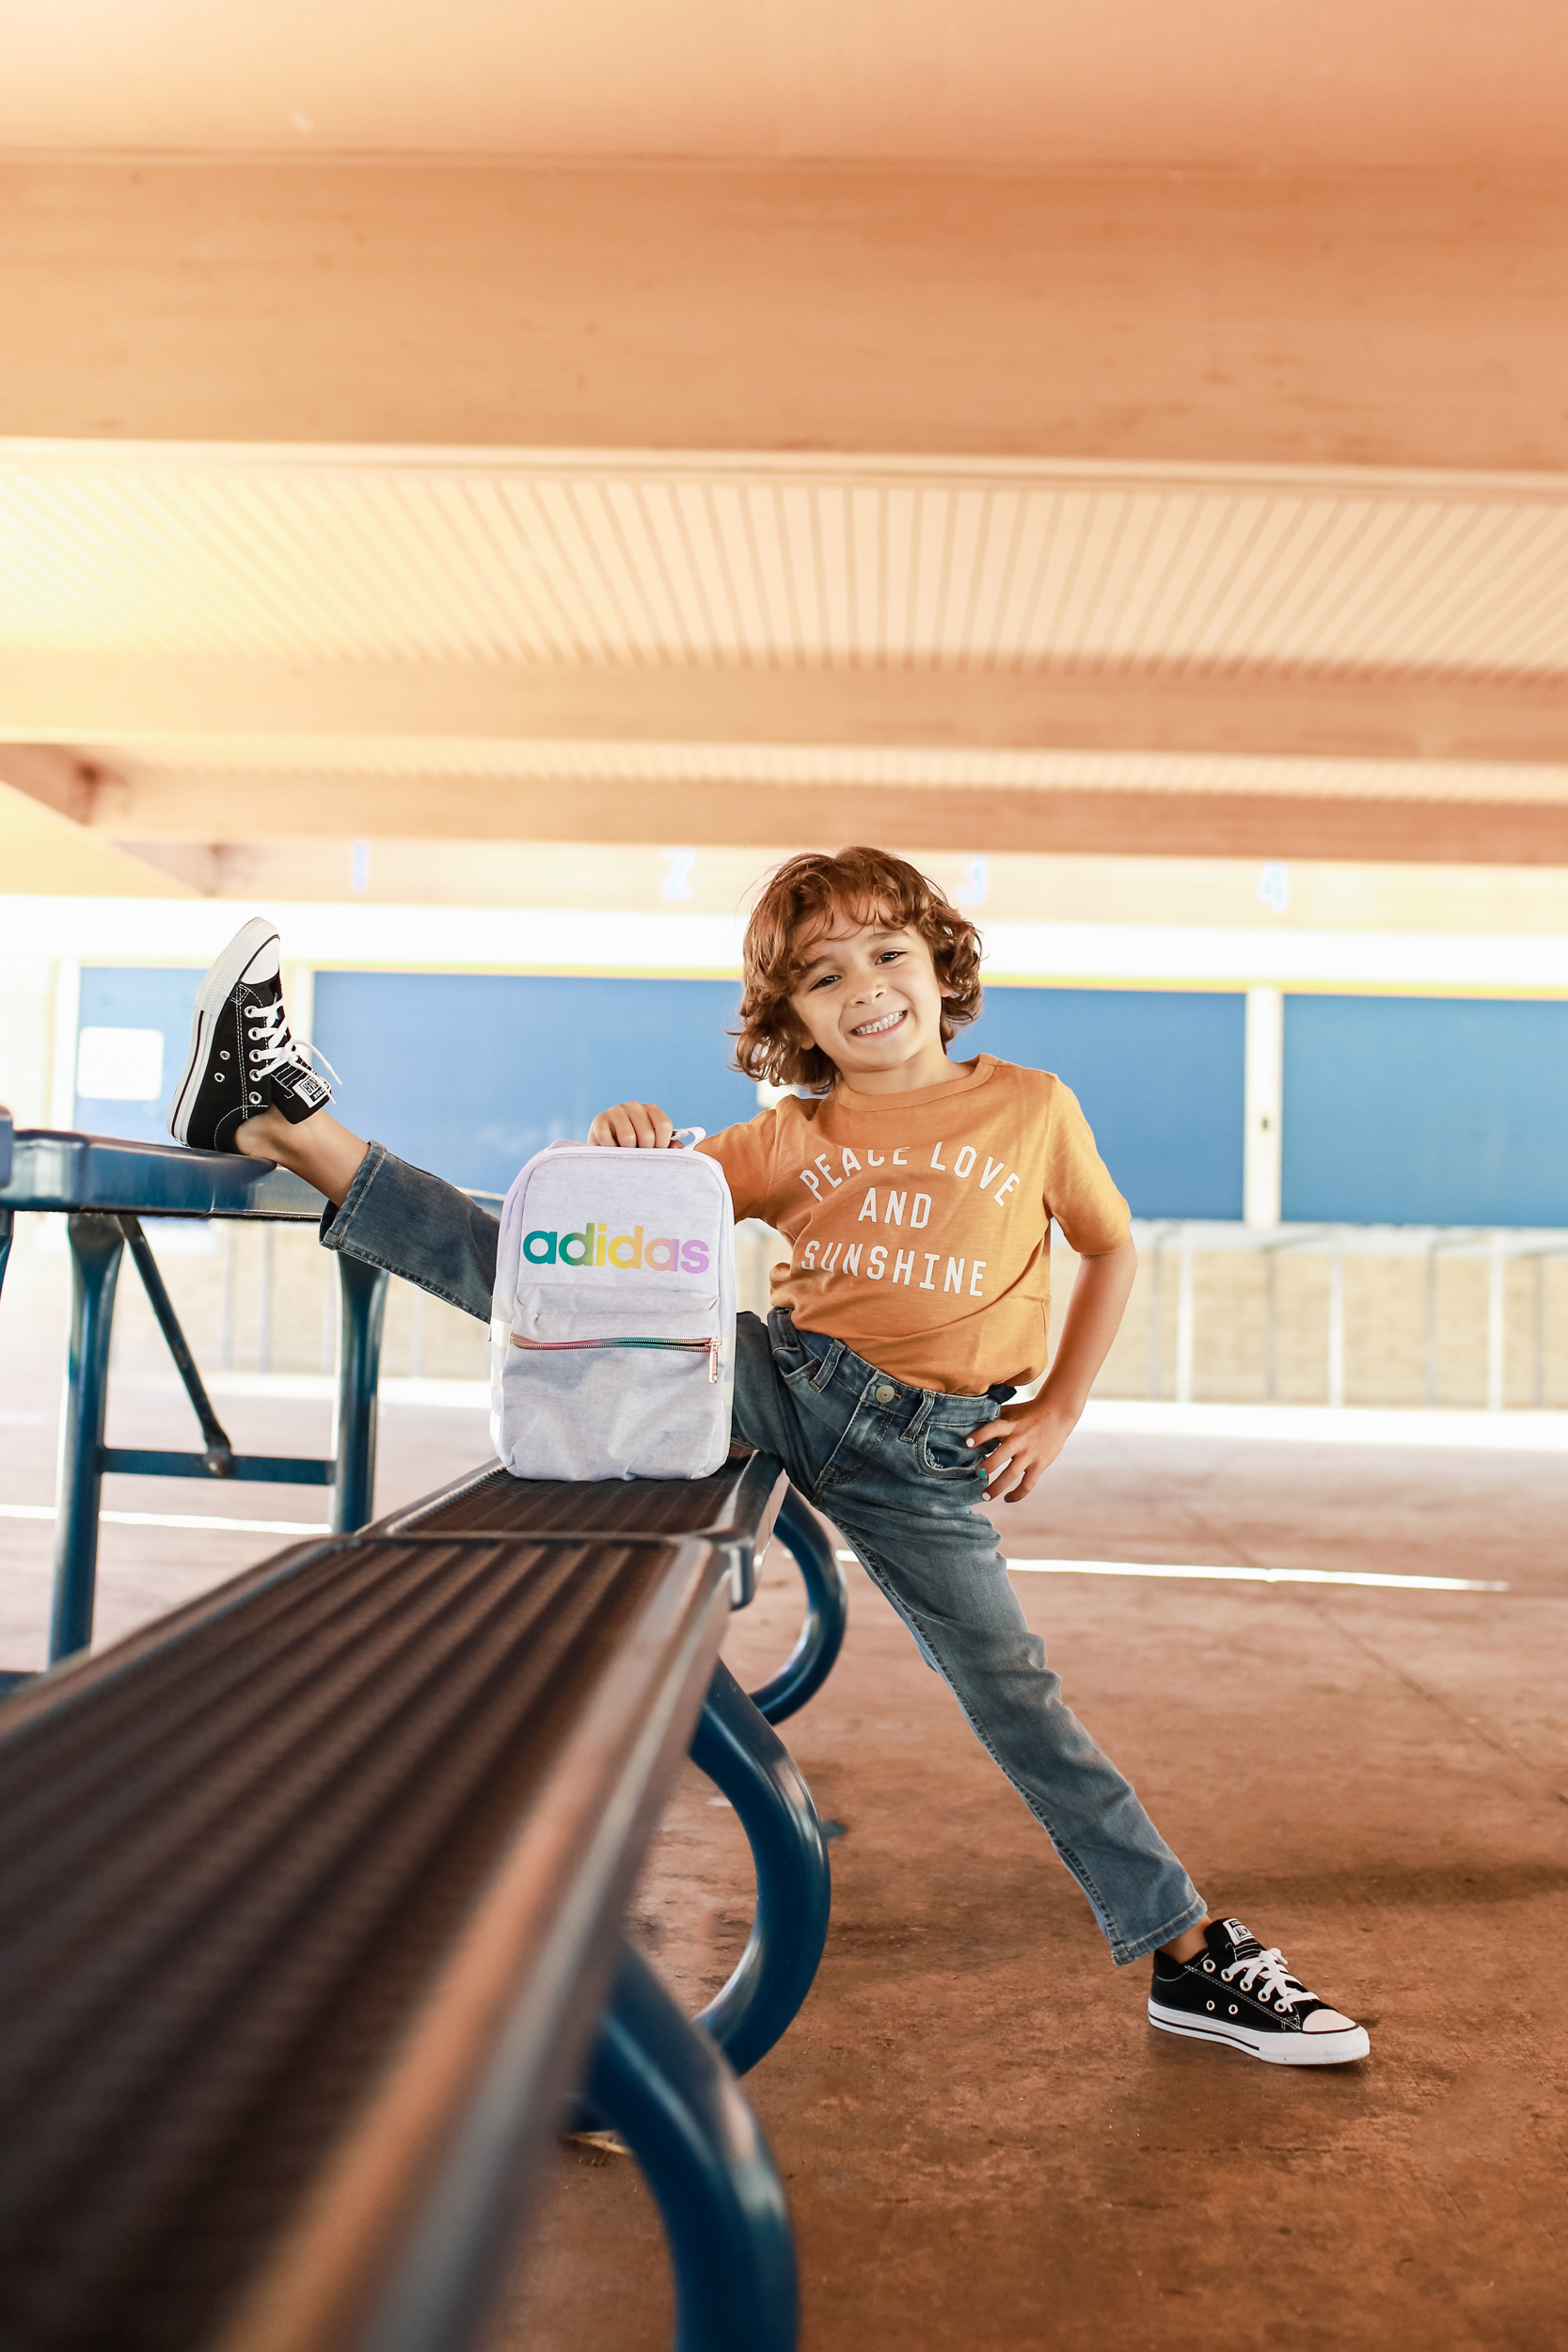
x=984, y=2143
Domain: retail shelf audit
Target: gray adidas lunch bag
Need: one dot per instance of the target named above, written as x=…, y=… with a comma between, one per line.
x=613, y=1328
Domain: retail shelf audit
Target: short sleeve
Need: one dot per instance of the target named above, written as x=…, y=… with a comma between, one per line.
x=746, y=1155
x=1079, y=1192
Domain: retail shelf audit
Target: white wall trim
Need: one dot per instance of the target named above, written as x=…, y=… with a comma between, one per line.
x=354, y=936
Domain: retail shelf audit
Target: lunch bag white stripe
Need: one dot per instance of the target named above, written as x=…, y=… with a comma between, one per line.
x=612, y=1329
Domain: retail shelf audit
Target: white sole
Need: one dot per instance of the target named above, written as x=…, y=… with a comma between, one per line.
x=1275, y=2049
x=214, y=994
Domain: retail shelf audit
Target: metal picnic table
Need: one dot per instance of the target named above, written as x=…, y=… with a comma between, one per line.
x=105, y=1187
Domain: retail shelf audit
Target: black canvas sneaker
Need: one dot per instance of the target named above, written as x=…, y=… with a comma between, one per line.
x=1236, y=1993
x=242, y=1059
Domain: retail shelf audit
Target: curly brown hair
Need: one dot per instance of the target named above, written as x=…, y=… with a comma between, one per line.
x=797, y=904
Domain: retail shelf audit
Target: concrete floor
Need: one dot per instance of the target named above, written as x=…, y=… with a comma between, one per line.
x=144, y=1570
x=983, y=2143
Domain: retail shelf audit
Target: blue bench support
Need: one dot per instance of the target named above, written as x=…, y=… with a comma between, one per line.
x=97, y=1246
x=742, y=1754
x=664, y=2087
x=732, y=1743
x=362, y=1313
x=811, y=1661
x=747, y=1762
x=104, y=1186
x=301, y=2087
x=98, y=1242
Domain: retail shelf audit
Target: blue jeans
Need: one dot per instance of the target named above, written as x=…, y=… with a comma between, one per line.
x=887, y=1464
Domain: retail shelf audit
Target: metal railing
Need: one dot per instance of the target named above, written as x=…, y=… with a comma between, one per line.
x=1187, y=1240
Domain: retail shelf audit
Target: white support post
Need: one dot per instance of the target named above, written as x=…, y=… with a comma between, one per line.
x=1496, y=1295
x=1156, y=1318
x=1185, y=1326
x=263, y=1310
x=1271, y=1326
x=1263, y=1126
x=65, y=1022
x=1337, y=1322
x=299, y=996
x=226, y=1325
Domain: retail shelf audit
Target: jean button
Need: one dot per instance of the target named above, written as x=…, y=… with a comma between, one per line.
x=886, y=1395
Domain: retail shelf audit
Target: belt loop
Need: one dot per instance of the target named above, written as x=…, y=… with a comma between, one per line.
x=827, y=1368
x=915, y=1427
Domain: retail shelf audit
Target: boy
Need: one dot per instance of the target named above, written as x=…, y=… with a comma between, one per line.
x=917, y=1194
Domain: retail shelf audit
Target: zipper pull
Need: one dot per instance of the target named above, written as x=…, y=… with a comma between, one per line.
x=713, y=1363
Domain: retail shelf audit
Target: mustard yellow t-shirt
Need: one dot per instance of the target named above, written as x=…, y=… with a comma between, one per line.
x=920, y=1223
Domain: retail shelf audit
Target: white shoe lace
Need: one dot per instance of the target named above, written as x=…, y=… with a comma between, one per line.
x=1267, y=1973
x=279, y=1049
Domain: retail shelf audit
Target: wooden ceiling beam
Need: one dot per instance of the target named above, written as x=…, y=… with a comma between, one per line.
x=1403, y=318
x=967, y=819
x=1360, y=715
x=70, y=782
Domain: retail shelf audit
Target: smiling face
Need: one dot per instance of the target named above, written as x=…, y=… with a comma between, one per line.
x=870, y=998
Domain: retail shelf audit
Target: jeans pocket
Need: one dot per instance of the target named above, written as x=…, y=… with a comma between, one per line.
x=791, y=1361
x=945, y=1454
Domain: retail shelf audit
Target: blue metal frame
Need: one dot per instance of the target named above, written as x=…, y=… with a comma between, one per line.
x=811, y=1661
x=55, y=1170
x=662, y=2081
x=749, y=1763
x=97, y=1246
x=103, y=1187
x=664, y=2087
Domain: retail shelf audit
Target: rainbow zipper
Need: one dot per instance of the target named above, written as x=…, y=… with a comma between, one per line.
x=687, y=1347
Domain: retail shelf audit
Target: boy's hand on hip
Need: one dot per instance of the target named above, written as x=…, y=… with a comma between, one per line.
x=632, y=1124
x=1021, y=1445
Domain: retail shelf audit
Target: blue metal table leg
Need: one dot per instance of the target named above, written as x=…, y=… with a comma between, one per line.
x=362, y=1291
x=97, y=1246
x=664, y=2088
x=811, y=1661
x=746, y=1760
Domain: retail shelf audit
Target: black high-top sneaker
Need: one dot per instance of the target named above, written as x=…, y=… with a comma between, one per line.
x=1236, y=1993
x=242, y=1059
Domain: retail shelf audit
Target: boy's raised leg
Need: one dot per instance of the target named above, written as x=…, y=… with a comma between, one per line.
x=326, y=1154
x=247, y=1087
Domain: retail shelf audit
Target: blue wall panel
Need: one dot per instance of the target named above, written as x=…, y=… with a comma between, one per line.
x=467, y=1074
x=113, y=999
x=1396, y=1109
x=1161, y=1074
x=1426, y=1111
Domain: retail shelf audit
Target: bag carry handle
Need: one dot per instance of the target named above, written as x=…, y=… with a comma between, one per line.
x=698, y=1135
